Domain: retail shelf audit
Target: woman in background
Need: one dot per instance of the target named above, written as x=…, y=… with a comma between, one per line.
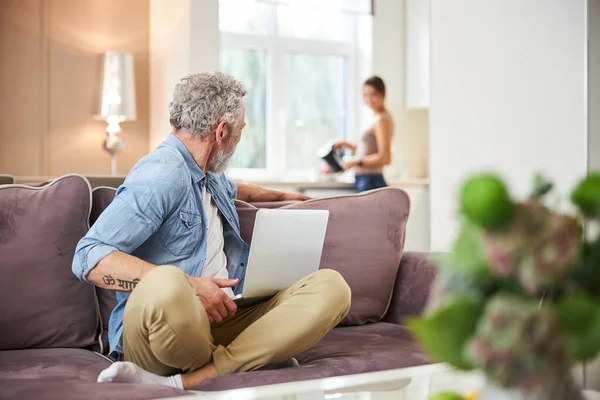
x=374, y=150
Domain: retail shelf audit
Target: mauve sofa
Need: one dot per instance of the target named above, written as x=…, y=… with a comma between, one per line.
x=53, y=327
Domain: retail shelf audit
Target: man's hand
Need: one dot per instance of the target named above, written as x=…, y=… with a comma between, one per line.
x=217, y=304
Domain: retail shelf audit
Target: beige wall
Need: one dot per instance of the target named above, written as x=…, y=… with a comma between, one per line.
x=48, y=79
x=21, y=77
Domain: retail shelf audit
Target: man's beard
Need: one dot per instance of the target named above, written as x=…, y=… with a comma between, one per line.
x=220, y=160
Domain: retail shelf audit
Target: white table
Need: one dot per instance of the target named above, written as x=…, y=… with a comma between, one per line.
x=415, y=383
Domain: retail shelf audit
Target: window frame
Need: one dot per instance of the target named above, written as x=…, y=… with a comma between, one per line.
x=275, y=48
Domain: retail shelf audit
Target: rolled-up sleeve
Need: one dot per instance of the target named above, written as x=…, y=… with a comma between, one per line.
x=149, y=194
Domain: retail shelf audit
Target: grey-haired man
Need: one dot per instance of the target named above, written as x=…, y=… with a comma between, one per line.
x=170, y=245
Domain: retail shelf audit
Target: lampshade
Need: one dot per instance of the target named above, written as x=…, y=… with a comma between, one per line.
x=117, y=88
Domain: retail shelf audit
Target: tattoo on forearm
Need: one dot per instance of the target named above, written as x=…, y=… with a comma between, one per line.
x=128, y=285
x=123, y=284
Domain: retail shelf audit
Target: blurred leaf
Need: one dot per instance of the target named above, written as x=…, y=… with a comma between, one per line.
x=579, y=317
x=586, y=273
x=576, y=313
x=468, y=255
x=485, y=201
x=586, y=195
x=541, y=187
x=444, y=332
x=446, y=396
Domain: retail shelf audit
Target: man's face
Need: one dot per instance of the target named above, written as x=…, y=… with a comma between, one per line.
x=225, y=150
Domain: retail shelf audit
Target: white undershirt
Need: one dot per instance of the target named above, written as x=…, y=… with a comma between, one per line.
x=215, y=265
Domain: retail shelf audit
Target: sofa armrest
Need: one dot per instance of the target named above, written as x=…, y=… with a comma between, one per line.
x=412, y=288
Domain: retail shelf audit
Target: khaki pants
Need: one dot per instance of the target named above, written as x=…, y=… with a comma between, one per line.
x=166, y=329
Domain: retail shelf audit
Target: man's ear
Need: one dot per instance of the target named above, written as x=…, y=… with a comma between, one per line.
x=221, y=132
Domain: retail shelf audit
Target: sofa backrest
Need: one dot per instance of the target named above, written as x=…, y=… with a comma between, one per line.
x=43, y=303
x=94, y=180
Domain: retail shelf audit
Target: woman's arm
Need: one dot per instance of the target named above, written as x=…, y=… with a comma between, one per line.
x=383, y=136
x=345, y=145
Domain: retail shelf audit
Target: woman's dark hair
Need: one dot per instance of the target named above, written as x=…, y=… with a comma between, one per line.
x=376, y=83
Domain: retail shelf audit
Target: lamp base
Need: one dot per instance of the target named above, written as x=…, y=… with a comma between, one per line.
x=114, y=145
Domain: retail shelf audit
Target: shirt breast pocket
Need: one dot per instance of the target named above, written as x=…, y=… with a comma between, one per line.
x=184, y=234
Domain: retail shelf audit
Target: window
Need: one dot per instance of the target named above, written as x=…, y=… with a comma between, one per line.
x=315, y=106
x=250, y=67
x=302, y=66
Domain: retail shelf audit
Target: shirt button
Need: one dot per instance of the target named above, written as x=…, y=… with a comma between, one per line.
x=230, y=219
x=189, y=224
x=242, y=264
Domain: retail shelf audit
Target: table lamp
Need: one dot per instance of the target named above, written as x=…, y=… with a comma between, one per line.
x=117, y=100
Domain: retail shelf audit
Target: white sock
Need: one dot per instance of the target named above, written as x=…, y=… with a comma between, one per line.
x=128, y=372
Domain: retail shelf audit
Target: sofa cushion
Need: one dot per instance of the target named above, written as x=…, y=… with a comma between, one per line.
x=43, y=303
x=364, y=242
x=413, y=287
x=66, y=374
x=101, y=198
x=344, y=351
x=107, y=299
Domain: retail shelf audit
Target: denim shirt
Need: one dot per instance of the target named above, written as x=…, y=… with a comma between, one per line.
x=158, y=216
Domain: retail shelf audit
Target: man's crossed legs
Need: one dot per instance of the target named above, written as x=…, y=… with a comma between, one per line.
x=167, y=332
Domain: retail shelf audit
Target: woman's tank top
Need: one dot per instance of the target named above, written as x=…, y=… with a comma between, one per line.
x=368, y=146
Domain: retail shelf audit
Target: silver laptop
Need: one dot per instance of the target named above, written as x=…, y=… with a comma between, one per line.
x=286, y=247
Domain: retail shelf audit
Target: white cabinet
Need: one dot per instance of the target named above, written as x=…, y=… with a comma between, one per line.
x=417, y=54
x=417, y=227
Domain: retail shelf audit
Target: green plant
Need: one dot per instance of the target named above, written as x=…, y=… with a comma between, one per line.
x=517, y=297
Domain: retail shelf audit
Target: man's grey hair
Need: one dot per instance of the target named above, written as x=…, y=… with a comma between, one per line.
x=201, y=101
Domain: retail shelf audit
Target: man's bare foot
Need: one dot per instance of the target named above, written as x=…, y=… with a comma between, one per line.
x=197, y=377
